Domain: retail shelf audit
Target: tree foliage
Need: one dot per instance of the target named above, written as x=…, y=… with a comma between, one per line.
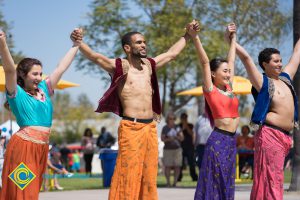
x=162, y=22
x=70, y=116
x=6, y=27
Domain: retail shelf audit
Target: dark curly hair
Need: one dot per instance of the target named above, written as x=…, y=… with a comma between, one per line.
x=266, y=55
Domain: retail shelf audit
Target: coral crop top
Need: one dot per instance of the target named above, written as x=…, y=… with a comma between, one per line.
x=222, y=105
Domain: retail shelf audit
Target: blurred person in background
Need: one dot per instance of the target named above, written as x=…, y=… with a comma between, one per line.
x=64, y=152
x=105, y=139
x=245, y=147
x=54, y=163
x=188, y=147
x=76, y=161
x=172, y=152
x=87, y=144
x=203, y=130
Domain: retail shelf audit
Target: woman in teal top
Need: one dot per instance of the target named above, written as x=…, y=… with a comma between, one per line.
x=28, y=97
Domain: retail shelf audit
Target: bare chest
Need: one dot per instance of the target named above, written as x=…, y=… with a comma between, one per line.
x=137, y=83
x=282, y=96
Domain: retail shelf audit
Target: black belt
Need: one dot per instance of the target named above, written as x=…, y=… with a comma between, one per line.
x=224, y=132
x=277, y=128
x=145, y=121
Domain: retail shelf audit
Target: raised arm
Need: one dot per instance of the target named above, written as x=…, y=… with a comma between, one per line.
x=8, y=65
x=231, y=35
x=204, y=61
x=254, y=75
x=171, y=54
x=97, y=58
x=294, y=62
x=64, y=64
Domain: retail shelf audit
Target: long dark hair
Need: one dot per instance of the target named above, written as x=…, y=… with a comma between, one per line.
x=214, y=66
x=23, y=68
x=88, y=132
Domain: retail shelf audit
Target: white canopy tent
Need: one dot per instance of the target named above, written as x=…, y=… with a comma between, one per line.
x=9, y=127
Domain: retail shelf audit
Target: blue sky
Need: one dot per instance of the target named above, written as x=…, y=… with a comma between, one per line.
x=41, y=30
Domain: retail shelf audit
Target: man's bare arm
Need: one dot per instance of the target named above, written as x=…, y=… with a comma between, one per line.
x=294, y=62
x=255, y=76
x=97, y=58
x=171, y=54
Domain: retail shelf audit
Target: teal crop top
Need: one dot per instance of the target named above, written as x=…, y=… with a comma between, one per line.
x=30, y=111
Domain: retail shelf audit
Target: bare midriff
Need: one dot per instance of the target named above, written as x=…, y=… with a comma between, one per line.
x=281, y=112
x=227, y=124
x=136, y=94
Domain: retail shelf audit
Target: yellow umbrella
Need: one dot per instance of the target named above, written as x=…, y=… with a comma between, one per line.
x=61, y=84
x=241, y=85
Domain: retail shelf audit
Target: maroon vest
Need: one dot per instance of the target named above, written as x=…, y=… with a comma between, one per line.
x=110, y=101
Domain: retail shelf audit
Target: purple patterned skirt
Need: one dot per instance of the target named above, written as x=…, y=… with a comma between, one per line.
x=217, y=173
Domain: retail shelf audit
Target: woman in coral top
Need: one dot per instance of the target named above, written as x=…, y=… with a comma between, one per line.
x=217, y=173
x=28, y=96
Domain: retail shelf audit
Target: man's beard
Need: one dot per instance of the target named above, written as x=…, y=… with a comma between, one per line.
x=137, y=54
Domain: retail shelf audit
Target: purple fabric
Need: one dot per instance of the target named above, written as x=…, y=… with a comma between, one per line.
x=217, y=173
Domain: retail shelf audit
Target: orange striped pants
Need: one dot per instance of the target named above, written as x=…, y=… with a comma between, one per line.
x=137, y=162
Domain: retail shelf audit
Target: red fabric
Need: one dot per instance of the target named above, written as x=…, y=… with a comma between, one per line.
x=34, y=156
x=242, y=141
x=271, y=147
x=221, y=105
x=110, y=101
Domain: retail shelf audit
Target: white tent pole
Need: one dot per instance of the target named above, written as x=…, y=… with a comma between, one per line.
x=2, y=108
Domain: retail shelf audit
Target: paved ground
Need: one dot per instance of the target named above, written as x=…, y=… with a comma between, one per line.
x=242, y=193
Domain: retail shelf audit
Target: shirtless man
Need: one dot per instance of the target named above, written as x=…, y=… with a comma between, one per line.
x=134, y=95
x=275, y=115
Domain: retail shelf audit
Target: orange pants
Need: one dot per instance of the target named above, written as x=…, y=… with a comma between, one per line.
x=271, y=147
x=34, y=156
x=136, y=168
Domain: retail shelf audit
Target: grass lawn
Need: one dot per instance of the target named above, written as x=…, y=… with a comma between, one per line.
x=82, y=182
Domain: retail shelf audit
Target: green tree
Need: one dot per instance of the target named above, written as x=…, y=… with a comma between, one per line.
x=70, y=116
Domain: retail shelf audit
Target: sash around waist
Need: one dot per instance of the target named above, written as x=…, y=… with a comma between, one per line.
x=34, y=135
